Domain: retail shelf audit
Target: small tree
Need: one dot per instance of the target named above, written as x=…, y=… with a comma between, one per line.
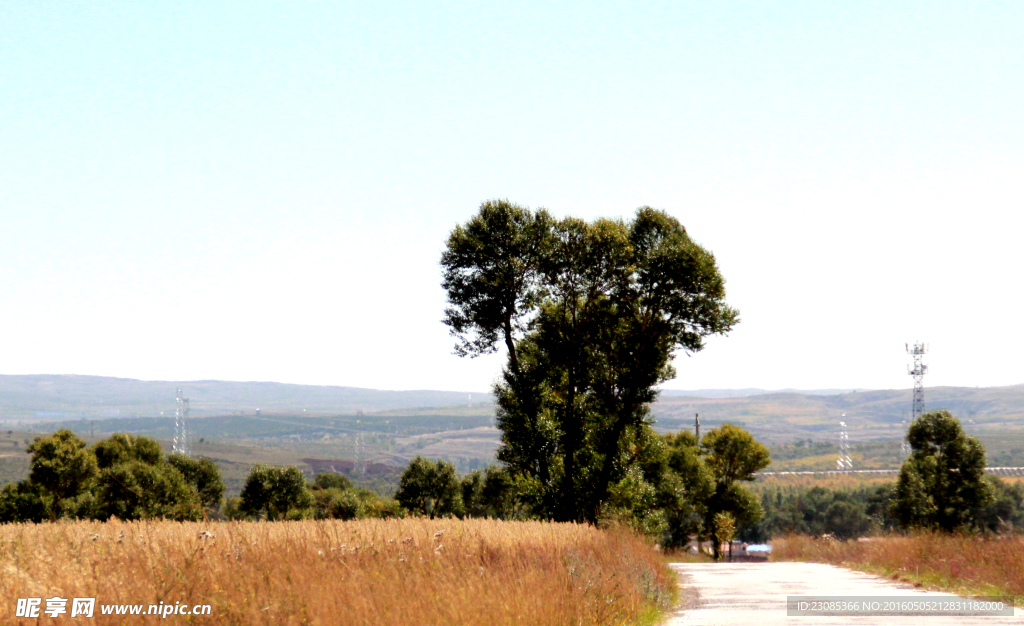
x=334, y=503
x=328, y=480
x=203, y=475
x=429, y=488
x=942, y=485
x=62, y=466
x=846, y=520
x=725, y=529
x=732, y=455
x=22, y=502
x=274, y=491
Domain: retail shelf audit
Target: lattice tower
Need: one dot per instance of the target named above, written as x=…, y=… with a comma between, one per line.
x=918, y=370
x=181, y=431
x=844, y=463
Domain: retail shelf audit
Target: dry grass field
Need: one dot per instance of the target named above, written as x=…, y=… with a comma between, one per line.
x=410, y=572
x=961, y=564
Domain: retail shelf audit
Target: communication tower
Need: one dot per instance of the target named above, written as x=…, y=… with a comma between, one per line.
x=918, y=371
x=181, y=434
x=845, y=463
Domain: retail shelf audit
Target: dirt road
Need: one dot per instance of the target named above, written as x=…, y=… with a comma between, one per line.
x=754, y=594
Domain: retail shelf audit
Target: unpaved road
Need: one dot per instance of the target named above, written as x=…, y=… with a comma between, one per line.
x=754, y=594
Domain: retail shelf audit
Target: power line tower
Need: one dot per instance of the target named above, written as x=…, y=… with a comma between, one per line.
x=359, y=463
x=845, y=463
x=917, y=371
x=181, y=434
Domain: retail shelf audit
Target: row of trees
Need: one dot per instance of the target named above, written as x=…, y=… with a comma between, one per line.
x=129, y=478
x=122, y=476
x=673, y=487
x=852, y=513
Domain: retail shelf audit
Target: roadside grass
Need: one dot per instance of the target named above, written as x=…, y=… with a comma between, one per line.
x=961, y=564
x=380, y=572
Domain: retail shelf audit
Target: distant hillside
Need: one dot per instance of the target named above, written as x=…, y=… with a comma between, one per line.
x=870, y=415
x=58, y=397
x=775, y=417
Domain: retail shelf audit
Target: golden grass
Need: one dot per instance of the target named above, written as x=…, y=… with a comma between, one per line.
x=379, y=572
x=962, y=564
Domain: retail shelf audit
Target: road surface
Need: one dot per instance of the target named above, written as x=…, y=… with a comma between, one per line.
x=754, y=594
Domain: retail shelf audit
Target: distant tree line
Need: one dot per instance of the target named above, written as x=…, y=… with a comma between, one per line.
x=124, y=476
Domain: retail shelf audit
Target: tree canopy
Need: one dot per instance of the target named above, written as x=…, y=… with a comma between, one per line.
x=591, y=315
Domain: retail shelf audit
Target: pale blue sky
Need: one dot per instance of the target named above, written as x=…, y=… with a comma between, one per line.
x=260, y=191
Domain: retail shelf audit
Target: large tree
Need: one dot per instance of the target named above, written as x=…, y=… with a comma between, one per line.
x=942, y=485
x=591, y=315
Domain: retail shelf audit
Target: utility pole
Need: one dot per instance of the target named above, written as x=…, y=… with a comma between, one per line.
x=696, y=426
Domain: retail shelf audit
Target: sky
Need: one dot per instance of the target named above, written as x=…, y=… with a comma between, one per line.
x=261, y=191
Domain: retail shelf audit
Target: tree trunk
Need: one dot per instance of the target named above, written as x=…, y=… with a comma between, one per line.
x=510, y=345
